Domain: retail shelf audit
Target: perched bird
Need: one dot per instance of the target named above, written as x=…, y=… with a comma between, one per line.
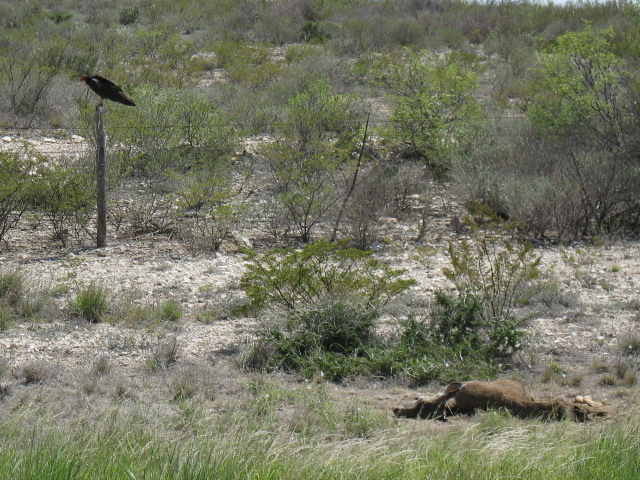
x=106, y=89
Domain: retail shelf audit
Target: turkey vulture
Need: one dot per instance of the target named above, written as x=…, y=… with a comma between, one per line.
x=107, y=89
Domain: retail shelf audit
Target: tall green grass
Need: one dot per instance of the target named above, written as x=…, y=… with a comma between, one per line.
x=133, y=445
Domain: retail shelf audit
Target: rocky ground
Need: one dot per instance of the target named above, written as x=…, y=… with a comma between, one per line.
x=578, y=333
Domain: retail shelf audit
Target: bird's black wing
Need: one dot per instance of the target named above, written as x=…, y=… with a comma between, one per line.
x=109, y=90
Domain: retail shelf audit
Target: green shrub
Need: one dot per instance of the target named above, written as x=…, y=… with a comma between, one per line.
x=454, y=341
x=210, y=208
x=312, y=33
x=457, y=321
x=32, y=58
x=407, y=32
x=338, y=341
x=435, y=111
x=463, y=323
x=320, y=273
x=175, y=129
x=151, y=210
x=460, y=338
x=338, y=328
x=580, y=89
x=12, y=287
x=492, y=268
x=170, y=311
x=311, y=153
x=495, y=272
x=90, y=303
x=448, y=37
x=160, y=57
x=18, y=185
x=128, y=15
x=59, y=17
x=66, y=200
x=341, y=329
x=549, y=186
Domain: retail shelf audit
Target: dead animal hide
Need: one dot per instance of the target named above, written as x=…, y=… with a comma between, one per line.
x=506, y=394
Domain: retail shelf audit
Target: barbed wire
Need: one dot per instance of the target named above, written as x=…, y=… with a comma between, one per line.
x=248, y=125
x=64, y=150
x=138, y=150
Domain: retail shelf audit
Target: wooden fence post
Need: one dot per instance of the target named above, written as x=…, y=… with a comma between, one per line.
x=101, y=181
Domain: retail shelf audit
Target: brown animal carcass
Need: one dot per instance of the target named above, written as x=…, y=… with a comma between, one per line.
x=506, y=394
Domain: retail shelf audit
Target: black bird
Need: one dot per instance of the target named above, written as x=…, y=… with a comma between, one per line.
x=107, y=89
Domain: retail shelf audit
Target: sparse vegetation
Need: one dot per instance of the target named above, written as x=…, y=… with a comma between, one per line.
x=184, y=384
x=553, y=373
x=11, y=288
x=282, y=133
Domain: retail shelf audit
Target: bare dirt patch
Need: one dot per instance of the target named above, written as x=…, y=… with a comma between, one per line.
x=575, y=348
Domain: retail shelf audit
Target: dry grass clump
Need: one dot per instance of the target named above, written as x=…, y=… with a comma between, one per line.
x=163, y=354
x=134, y=312
x=4, y=366
x=599, y=366
x=5, y=390
x=101, y=365
x=573, y=380
x=122, y=390
x=629, y=343
x=22, y=299
x=553, y=373
x=549, y=292
x=185, y=382
x=621, y=374
x=36, y=371
x=88, y=384
x=608, y=380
